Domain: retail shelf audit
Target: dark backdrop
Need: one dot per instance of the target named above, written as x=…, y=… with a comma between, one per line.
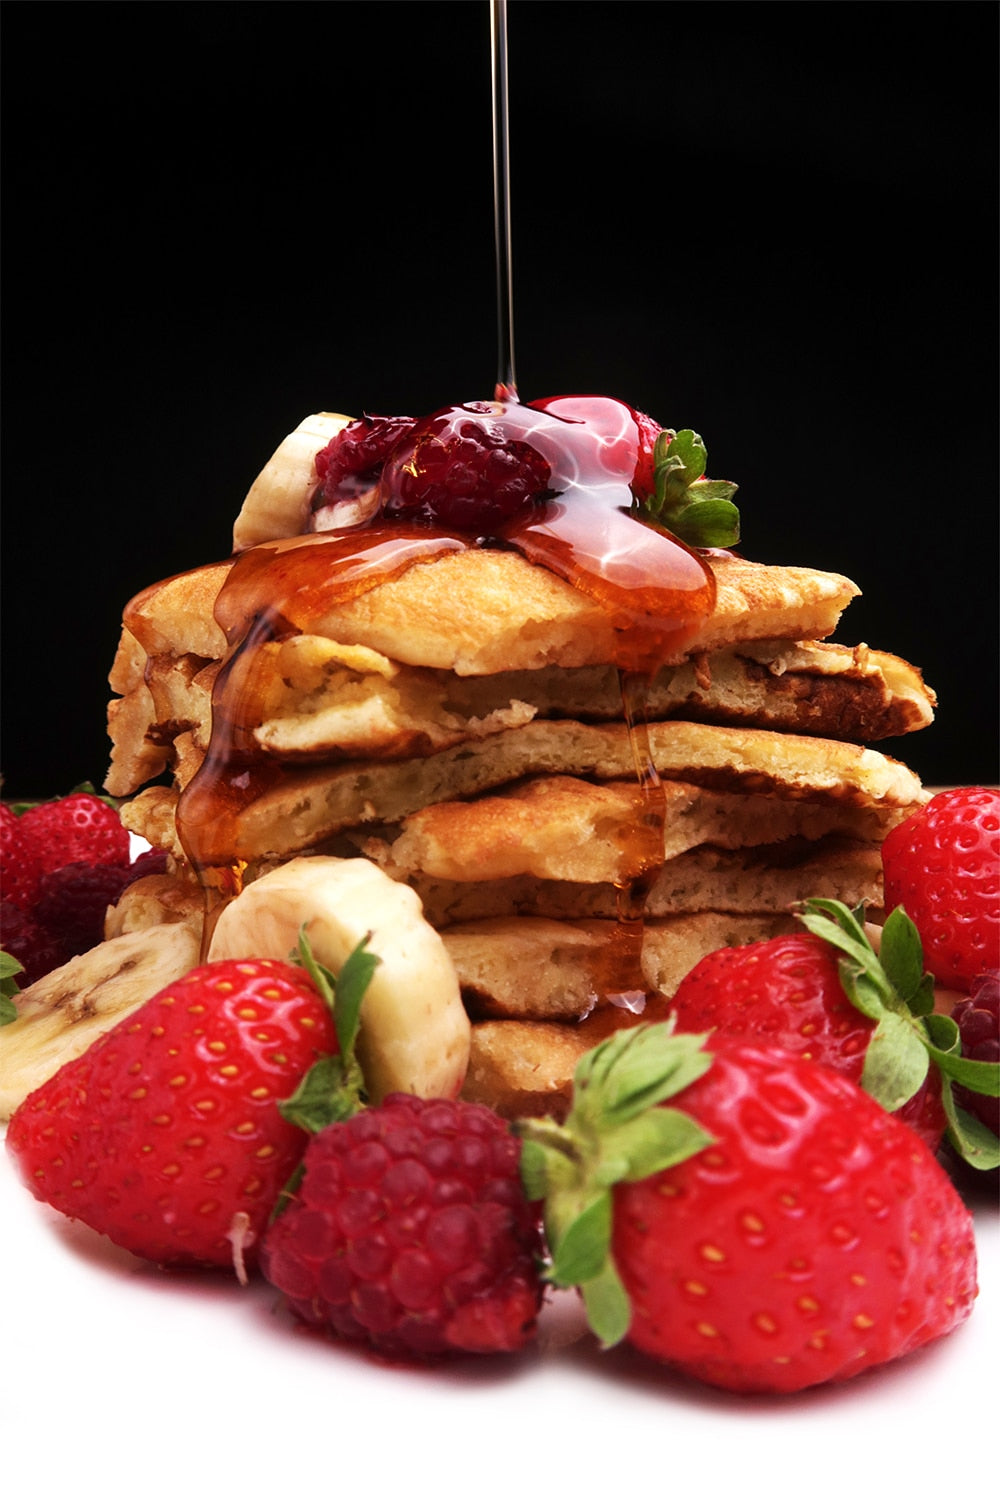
x=772, y=222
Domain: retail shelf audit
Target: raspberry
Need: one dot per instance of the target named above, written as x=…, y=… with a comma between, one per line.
x=74, y=829
x=352, y=460
x=150, y=862
x=72, y=902
x=410, y=1231
x=36, y=949
x=978, y=1021
x=461, y=468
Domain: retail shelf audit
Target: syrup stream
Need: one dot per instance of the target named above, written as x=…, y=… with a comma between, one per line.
x=506, y=387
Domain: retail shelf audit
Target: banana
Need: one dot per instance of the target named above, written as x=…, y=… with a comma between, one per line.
x=60, y=1015
x=276, y=502
x=414, y=1034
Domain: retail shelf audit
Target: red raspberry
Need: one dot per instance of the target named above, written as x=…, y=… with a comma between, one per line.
x=72, y=903
x=352, y=460
x=150, y=862
x=462, y=468
x=80, y=828
x=36, y=949
x=943, y=866
x=19, y=871
x=978, y=1021
x=411, y=1232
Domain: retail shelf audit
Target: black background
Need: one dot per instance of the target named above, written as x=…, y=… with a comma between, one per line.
x=775, y=223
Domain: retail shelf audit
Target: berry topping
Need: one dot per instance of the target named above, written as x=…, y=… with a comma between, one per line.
x=350, y=464
x=943, y=866
x=464, y=468
x=410, y=1231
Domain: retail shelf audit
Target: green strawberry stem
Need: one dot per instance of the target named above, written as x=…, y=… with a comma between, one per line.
x=9, y=969
x=334, y=1087
x=618, y=1130
x=698, y=510
x=893, y=989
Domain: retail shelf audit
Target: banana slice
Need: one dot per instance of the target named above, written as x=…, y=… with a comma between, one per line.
x=276, y=502
x=414, y=1035
x=60, y=1015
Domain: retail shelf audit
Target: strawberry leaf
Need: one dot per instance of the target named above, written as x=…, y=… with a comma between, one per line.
x=902, y=958
x=605, y=1299
x=617, y=1130
x=973, y=1141
x=584, y=1244
x=334, y=1087
x=699, y=511
x=9, y=969
x=896, y=1062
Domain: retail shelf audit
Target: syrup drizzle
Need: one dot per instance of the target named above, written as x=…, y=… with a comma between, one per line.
x=506, y=387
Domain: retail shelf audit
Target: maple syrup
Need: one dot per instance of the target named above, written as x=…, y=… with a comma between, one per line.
x=654, y=590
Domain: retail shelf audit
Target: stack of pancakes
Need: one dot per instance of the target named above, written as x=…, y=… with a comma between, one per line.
x=462, y=723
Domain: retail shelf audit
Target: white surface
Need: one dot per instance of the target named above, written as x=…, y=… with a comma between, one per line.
x=153, y=1384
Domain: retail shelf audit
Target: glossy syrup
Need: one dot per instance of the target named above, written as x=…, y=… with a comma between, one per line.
x=652, y=589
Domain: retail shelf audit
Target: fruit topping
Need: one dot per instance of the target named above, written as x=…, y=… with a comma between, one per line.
x=481, y=468
x=410, y=1231
x=350, y=464
x=749, y=1217
x=943, y=865
x=465, y=467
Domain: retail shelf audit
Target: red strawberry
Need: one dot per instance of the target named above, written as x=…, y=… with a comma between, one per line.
x=410, y=1231
x=19, y=868
x=772, y=1229
x=78, y=829
x=943, y=866
x=166, y=1135
x=643, y=482
x=787, y=992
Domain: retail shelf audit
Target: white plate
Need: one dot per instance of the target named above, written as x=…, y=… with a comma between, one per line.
x=157, y=1384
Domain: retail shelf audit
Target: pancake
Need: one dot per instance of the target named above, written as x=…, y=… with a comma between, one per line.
x=302, y=810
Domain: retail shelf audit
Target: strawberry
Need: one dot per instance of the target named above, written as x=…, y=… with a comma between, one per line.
x=78, y=829
x=826, y=996
x=168, y=1135
x=768, y=1229
x=19, y=867
x=943, y=865
x=643, y=481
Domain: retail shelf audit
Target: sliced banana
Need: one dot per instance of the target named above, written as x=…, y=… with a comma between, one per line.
x=60, y=1015
x=277, y=501
x=414, y=1035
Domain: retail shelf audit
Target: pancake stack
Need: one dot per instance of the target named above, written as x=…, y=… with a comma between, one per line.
x=580, y=836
